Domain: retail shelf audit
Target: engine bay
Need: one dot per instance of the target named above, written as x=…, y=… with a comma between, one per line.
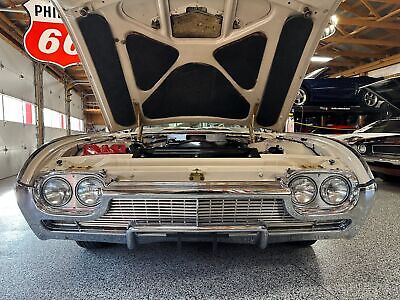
x=179, y=145
x=198, y=144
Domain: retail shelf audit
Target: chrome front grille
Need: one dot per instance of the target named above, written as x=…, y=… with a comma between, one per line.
x=193, y=211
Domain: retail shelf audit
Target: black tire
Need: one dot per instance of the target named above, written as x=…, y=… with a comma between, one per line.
x=92, y=245
x=302, y=244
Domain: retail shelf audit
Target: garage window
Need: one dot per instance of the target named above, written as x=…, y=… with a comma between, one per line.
x=53, y=119
x=13, y=109
x=76, y=124
x=29, y=114
x=16, y=110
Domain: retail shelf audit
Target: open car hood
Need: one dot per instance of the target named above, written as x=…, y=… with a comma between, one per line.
x=162, y=61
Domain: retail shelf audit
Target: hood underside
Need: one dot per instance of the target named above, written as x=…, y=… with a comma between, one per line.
x=163, y=61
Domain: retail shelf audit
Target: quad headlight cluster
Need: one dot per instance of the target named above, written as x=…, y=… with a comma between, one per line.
x=334, y=190
x=58, y=192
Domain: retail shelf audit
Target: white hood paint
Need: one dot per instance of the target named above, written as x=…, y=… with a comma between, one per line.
x=265, y=102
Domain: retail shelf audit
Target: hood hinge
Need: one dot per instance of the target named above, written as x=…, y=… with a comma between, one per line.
x=139, y=135
x=251, y=124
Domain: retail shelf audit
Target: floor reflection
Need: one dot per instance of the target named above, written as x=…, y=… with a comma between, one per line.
x=12, y=223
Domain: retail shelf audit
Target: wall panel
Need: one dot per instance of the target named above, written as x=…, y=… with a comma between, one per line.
x=18, y=141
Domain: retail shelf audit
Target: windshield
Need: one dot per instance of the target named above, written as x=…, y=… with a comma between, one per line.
x=388, y=126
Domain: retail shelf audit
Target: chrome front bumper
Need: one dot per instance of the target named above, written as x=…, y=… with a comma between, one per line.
x=384, y=164
x=391, y=160
x=316, y=227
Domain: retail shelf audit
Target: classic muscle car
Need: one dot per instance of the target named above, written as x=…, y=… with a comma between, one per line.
x=236, y=63
x=379, y=144
x=324, y=91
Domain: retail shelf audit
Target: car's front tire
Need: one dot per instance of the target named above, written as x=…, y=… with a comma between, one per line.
x=92, y=245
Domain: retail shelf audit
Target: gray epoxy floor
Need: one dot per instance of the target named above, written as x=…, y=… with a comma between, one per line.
x=367, y=267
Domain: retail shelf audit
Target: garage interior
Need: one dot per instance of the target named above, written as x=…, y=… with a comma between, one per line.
x=41, y=102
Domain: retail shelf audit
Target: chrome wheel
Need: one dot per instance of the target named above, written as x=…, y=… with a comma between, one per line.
x=301, y=97
x=370, y=99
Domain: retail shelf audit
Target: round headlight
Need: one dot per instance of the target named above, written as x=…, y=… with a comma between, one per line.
x=89, y=191
x=335, y=190
x=362, y=148
x=56, y=191
x=304, y=190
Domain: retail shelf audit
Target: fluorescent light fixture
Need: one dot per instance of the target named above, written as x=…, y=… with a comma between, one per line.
x=321, y=59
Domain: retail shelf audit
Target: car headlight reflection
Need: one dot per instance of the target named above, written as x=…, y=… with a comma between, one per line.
x=304, y=190
x=335, y=190
x=89, y=191
x=56, y=191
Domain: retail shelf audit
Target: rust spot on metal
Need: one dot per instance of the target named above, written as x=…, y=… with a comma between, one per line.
x=311, y=166
x=196, y=22
x=196, y=175
x=79, y=167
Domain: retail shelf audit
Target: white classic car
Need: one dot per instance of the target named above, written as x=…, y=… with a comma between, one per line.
x=238, y=63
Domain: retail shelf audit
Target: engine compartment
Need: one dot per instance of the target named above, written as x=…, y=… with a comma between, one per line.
x=189, y=145
x=198, y=144
x=193, y=146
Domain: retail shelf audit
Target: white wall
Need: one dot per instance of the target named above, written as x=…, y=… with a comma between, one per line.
x=16, y=77
x=18, y=141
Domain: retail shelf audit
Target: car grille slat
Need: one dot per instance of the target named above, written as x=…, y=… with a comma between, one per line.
x=193, y=212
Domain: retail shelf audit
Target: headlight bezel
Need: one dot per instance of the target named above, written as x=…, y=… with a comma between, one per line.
x=43, y=195
x=319, y=206
x=295, y=201
x=345, y=180
x=73, y=207
x=78, y=198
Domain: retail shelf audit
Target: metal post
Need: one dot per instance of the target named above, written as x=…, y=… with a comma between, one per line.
x=67, y=90
x=38, y=69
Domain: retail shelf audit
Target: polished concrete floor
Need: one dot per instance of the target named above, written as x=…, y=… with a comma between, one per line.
x=367, y=267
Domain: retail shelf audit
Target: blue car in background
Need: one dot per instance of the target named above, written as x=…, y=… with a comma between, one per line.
x=317, y=90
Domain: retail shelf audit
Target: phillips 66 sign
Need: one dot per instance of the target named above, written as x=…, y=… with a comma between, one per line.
x=47, y=39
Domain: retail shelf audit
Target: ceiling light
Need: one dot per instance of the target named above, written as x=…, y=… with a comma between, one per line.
x=321, y=59
x=334, y=20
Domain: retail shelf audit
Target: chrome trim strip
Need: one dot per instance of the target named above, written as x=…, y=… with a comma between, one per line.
x=377, y=159
x=385, y=153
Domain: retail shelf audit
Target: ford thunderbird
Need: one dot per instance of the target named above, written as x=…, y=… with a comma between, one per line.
x=195, y=94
